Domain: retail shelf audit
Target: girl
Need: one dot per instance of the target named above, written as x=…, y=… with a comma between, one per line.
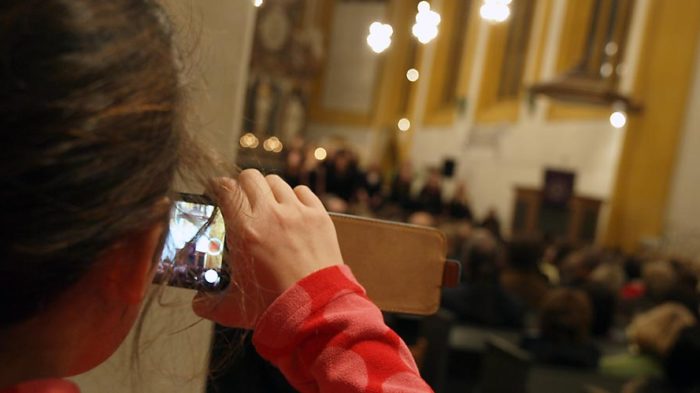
x=90, y=109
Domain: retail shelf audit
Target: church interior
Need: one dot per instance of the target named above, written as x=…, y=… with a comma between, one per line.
x=552, y=142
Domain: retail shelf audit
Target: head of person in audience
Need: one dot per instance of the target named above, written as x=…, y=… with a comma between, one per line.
x=659, y=278
x=524, y=254
x=556, y=252
x=610, y=274
x=374, y=173
x=406, y=171
x=566, y=316
x=343, y=161
x=294, y=161
x=335, y=204
x=434, y=181
x=655, y=331
x=422, y=218
x=578, y=265
x=480, y=260
x=460, y=194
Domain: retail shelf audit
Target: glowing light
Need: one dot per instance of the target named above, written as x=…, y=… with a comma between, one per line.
x=496, y=11
x=412, y=75
x=320, y=154
x=618, y=119
x=426, y=27
x=611, y=48
x=211, y=276
x=379, y=38
x=257, y=3
x=249, y=141
x=404, y=124
x=606, y=70
x=273, y=144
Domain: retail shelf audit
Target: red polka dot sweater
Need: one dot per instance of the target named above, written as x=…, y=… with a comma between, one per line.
x=325, y=335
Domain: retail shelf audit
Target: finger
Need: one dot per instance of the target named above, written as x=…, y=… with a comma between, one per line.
x=308, y=198
x=255, y=188
x=280, y=189
x=224, y=308
x=231, y=200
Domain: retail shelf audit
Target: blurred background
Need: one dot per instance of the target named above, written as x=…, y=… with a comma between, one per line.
x=555, y=142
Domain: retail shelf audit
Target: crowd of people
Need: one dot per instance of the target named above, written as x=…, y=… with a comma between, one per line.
x=346, y=187
x=567, y=300
x=570, y=301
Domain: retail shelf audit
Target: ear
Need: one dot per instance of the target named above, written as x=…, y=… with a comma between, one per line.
x=129, y=266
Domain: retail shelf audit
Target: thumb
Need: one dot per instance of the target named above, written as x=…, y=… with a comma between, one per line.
x=225, y=308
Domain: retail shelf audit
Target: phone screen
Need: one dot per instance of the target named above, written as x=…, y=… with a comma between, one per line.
x=193, y=252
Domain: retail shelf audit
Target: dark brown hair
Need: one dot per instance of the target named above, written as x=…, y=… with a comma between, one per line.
x=91, y=138
x=566, y=316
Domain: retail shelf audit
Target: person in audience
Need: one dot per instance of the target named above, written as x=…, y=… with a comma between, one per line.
x=659, y=279
x=492, y=223
x=564, y=326
x=604, y=283
x=653, y=336
x=458, y=207
x=548, y=265
x=314, y=171
x=480, y=299
x=604, y=303
x=576, y=268
x=92, y=114
x=342, y=175
x=293, y=172
x=521, y=276
x=422, y=218
x=430, y=196
x=401, y=187
x=370, y=189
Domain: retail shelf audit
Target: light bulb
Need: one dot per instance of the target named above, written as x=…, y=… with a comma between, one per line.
x=494, y=11
x=379, y=37
x=412, y=75
x=618, y=119
x=320, y=154
x=404, y=124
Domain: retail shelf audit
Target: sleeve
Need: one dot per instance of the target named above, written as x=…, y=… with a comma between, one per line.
x=325, y=335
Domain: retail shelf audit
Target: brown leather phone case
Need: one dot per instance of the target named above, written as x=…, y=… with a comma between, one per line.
x=402, y=266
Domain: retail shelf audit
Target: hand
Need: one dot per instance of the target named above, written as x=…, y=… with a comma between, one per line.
x=276, y=236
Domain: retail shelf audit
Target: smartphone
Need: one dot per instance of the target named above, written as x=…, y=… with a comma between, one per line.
x=194, y=250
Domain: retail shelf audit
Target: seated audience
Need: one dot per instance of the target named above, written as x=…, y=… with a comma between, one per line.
x=604, y=283
x=521, y=276
x=458, y=207
x=651, y=335
x=370, y=188
x=293, y=172
x=422, y=218
x=492, y=223
x=430, y=197
x=401, y=187
x=341, y=178
x=604, y=303
x=564, y=325
x=480, y=299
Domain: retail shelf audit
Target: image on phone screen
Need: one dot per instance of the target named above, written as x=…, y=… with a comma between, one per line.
x=193, y=252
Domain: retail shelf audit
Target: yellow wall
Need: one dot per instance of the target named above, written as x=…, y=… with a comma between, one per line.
x=647, y=162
